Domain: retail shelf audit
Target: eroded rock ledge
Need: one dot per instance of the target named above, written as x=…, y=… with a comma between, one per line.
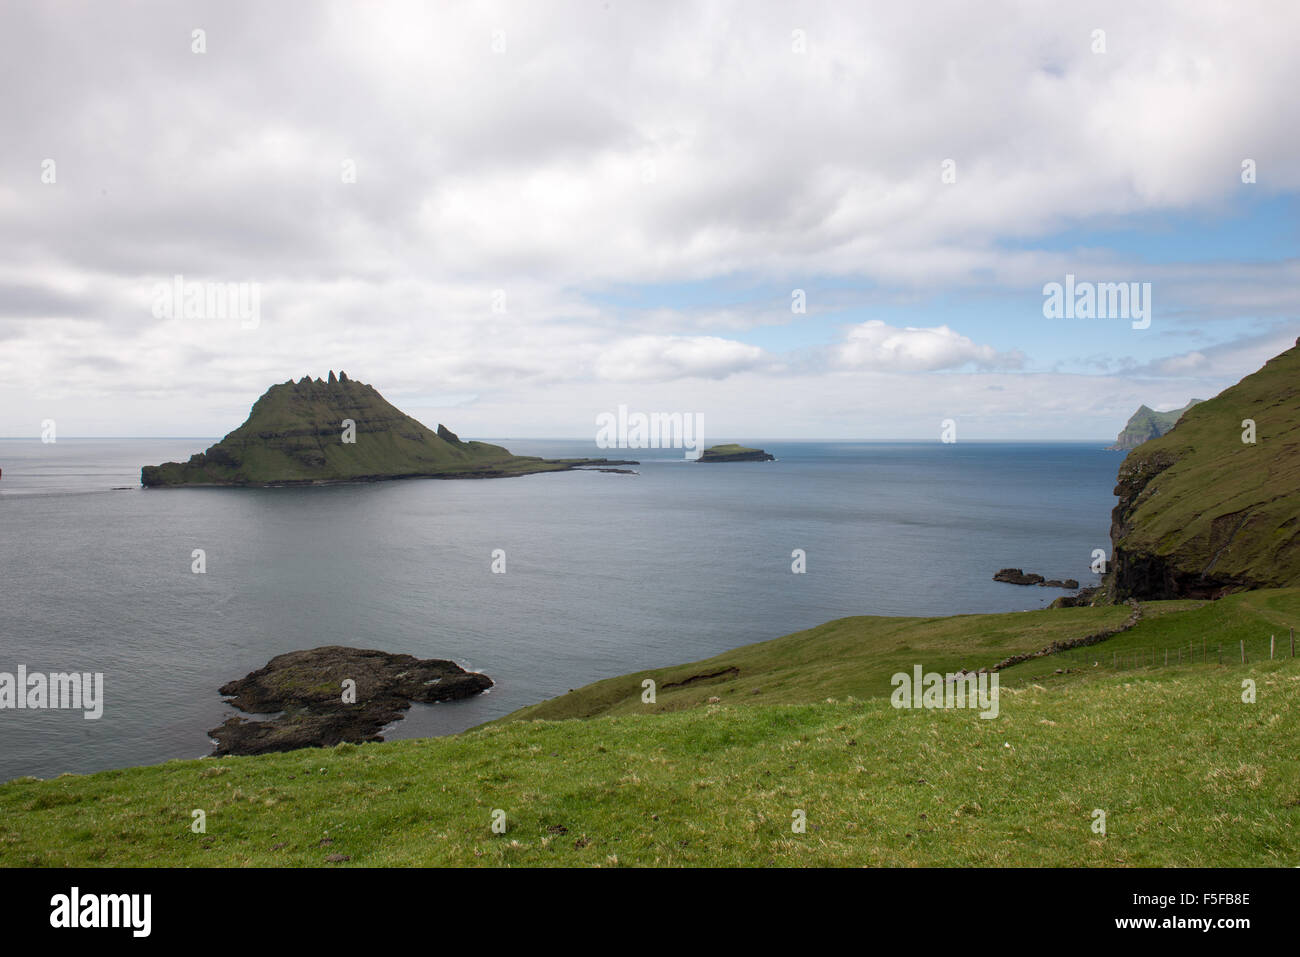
x=1016, y=576
x=304, y=692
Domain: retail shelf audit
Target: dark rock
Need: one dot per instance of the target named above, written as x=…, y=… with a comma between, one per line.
x=304, y=690
x=1084, y=598
x=1015, y=576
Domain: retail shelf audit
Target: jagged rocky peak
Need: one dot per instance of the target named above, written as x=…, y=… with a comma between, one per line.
x=333, y=379
x=447, y=435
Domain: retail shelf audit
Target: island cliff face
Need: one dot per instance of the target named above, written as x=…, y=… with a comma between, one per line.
x=296, y=435
x=1146, y=424
x=1203, y=513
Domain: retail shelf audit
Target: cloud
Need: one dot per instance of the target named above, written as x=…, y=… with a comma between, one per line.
x=605, y=146
x=877, y=346
x=1222, y=360
x=663, y=358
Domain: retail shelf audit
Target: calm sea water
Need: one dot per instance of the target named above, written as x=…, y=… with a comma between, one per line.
x=605, y=573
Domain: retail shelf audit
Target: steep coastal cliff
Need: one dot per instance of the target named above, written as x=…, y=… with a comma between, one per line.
x=1213, y=506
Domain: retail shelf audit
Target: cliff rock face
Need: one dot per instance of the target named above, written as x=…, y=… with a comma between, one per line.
x=1203, y=513
x=1146, y=424
x=340, y=430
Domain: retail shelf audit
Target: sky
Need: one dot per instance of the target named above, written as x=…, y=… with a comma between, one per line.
x=814, y=220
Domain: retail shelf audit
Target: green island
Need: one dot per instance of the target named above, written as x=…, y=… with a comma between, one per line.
x=735, y=453
x=1167, y=700
x=297, y=434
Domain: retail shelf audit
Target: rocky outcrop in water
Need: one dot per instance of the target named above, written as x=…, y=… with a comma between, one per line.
x=1016, y=576
x=311, y=703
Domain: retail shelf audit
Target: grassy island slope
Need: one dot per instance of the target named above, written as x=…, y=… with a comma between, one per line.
x=735, y=453
x=295, y=435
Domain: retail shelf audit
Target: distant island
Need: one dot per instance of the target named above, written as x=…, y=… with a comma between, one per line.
x=317, y=432
x=1146, y=424
x=735, y=453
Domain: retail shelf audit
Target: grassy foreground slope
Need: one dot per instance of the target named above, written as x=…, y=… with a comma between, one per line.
x=1186, y=773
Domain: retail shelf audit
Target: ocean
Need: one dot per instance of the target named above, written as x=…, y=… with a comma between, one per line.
x=605, y=573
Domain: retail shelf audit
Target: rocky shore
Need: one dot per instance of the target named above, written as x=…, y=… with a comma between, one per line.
x=325, y=696
x=1016, y=576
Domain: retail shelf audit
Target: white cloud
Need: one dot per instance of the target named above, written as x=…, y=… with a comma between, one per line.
x=664, y=358
x=607, y=146
x=878, y=346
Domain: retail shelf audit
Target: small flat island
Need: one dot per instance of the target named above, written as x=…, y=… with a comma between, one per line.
x=735, y=453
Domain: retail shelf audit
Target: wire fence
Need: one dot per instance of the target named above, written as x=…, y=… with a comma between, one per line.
x=1207, y=652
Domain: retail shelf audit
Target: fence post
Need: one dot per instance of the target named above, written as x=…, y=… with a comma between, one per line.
x=1270, y=647
x=1166, y=657
x=1243, y=651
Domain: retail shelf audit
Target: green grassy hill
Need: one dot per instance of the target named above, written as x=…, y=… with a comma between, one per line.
x=1187, y=774
x=295, y=432
x=1201, y=512
x=851, y=656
